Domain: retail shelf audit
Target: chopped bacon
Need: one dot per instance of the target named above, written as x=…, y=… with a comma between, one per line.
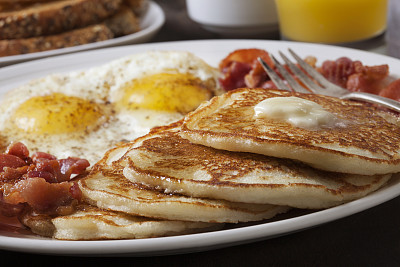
x=7, y=160
x=233, y=76
x=39, y=194
x=368, y=79
x=18, y=149
x=10, y=174
x=241, y=69
x=75, y=191
x=42, y=181
x=359, y=82
x=42, y=155
x=72, y=165
x=257, y=75
x=392, y=90
x=377, y=72
x=339, y=70
x=247, y=56
x=10, y=210
x=355, y=76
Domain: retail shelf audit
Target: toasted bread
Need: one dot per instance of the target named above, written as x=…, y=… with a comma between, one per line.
x=369, y=142
x=164, y=160
x=107, y=188
x=139, y=7
x=51, y=18
x=85, y=35
x=26, y=1
x=122, y=23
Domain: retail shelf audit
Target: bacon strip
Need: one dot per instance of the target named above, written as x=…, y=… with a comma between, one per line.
x=241, y=69
x=42, y=181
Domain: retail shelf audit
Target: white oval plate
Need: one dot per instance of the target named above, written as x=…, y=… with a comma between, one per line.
x=212, y=51
x=150, y=24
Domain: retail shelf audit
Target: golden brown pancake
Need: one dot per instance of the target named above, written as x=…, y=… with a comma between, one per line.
x=107, y=188
x=368, y=144
x=163, y=159
x=92, y=223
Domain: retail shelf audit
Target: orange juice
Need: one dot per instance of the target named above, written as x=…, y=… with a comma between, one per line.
x=331, y=21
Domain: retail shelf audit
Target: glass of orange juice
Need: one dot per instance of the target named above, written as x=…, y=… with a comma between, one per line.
x=331, y=21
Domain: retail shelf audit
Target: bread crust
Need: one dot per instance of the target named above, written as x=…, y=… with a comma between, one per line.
x=85, y=35
x=55, y=17
x=122, y=23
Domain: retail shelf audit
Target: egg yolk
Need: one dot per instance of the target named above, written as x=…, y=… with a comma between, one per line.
x=56, y=113
x=174, y=92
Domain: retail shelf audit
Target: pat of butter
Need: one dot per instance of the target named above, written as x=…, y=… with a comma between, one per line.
x=297, y=111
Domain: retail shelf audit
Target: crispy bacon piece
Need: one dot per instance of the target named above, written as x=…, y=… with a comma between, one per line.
x=41, y=181
x=18, y=149
x=338, y=71
x=368, y=79
x=392, y=90
x=233, y=76
x=10, y=174
x=241, y=69
x=10, y=210
x=354, y=76
x=244, y=56
x=39, y=194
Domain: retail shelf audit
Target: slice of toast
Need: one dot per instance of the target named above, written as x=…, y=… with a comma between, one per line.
x=122, y=23
x=25, y=1
x=51, y=18
x=139, y=7
x=85, y=35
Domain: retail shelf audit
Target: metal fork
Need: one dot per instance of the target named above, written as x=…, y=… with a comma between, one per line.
x=317, y=83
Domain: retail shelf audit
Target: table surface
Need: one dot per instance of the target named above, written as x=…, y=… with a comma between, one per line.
x=369, y=238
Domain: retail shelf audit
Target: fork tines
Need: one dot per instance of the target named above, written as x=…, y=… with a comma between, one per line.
x=307, y=85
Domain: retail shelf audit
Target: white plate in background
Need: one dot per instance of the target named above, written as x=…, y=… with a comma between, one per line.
x=150, y=24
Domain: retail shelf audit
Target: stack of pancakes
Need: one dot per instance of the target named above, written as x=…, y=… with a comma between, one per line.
x=221, y=164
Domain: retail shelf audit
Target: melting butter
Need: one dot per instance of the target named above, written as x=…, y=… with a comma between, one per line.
x=297, y=111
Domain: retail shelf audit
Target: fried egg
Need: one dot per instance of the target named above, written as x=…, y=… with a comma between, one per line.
x=85, y=113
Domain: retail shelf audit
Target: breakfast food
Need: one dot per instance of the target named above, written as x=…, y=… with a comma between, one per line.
x=55, y=17
x=139, y=7
x=166, y=161
x=346, y=134
x=81, y=36
x=122, y=23
x=39, y=181
x=107, y=188
x=87, y=112
x=243, y=156
x=240, y=68
x=91, y=223
x=27, y=27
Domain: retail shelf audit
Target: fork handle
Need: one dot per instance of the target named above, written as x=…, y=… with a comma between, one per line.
x=374, y=99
